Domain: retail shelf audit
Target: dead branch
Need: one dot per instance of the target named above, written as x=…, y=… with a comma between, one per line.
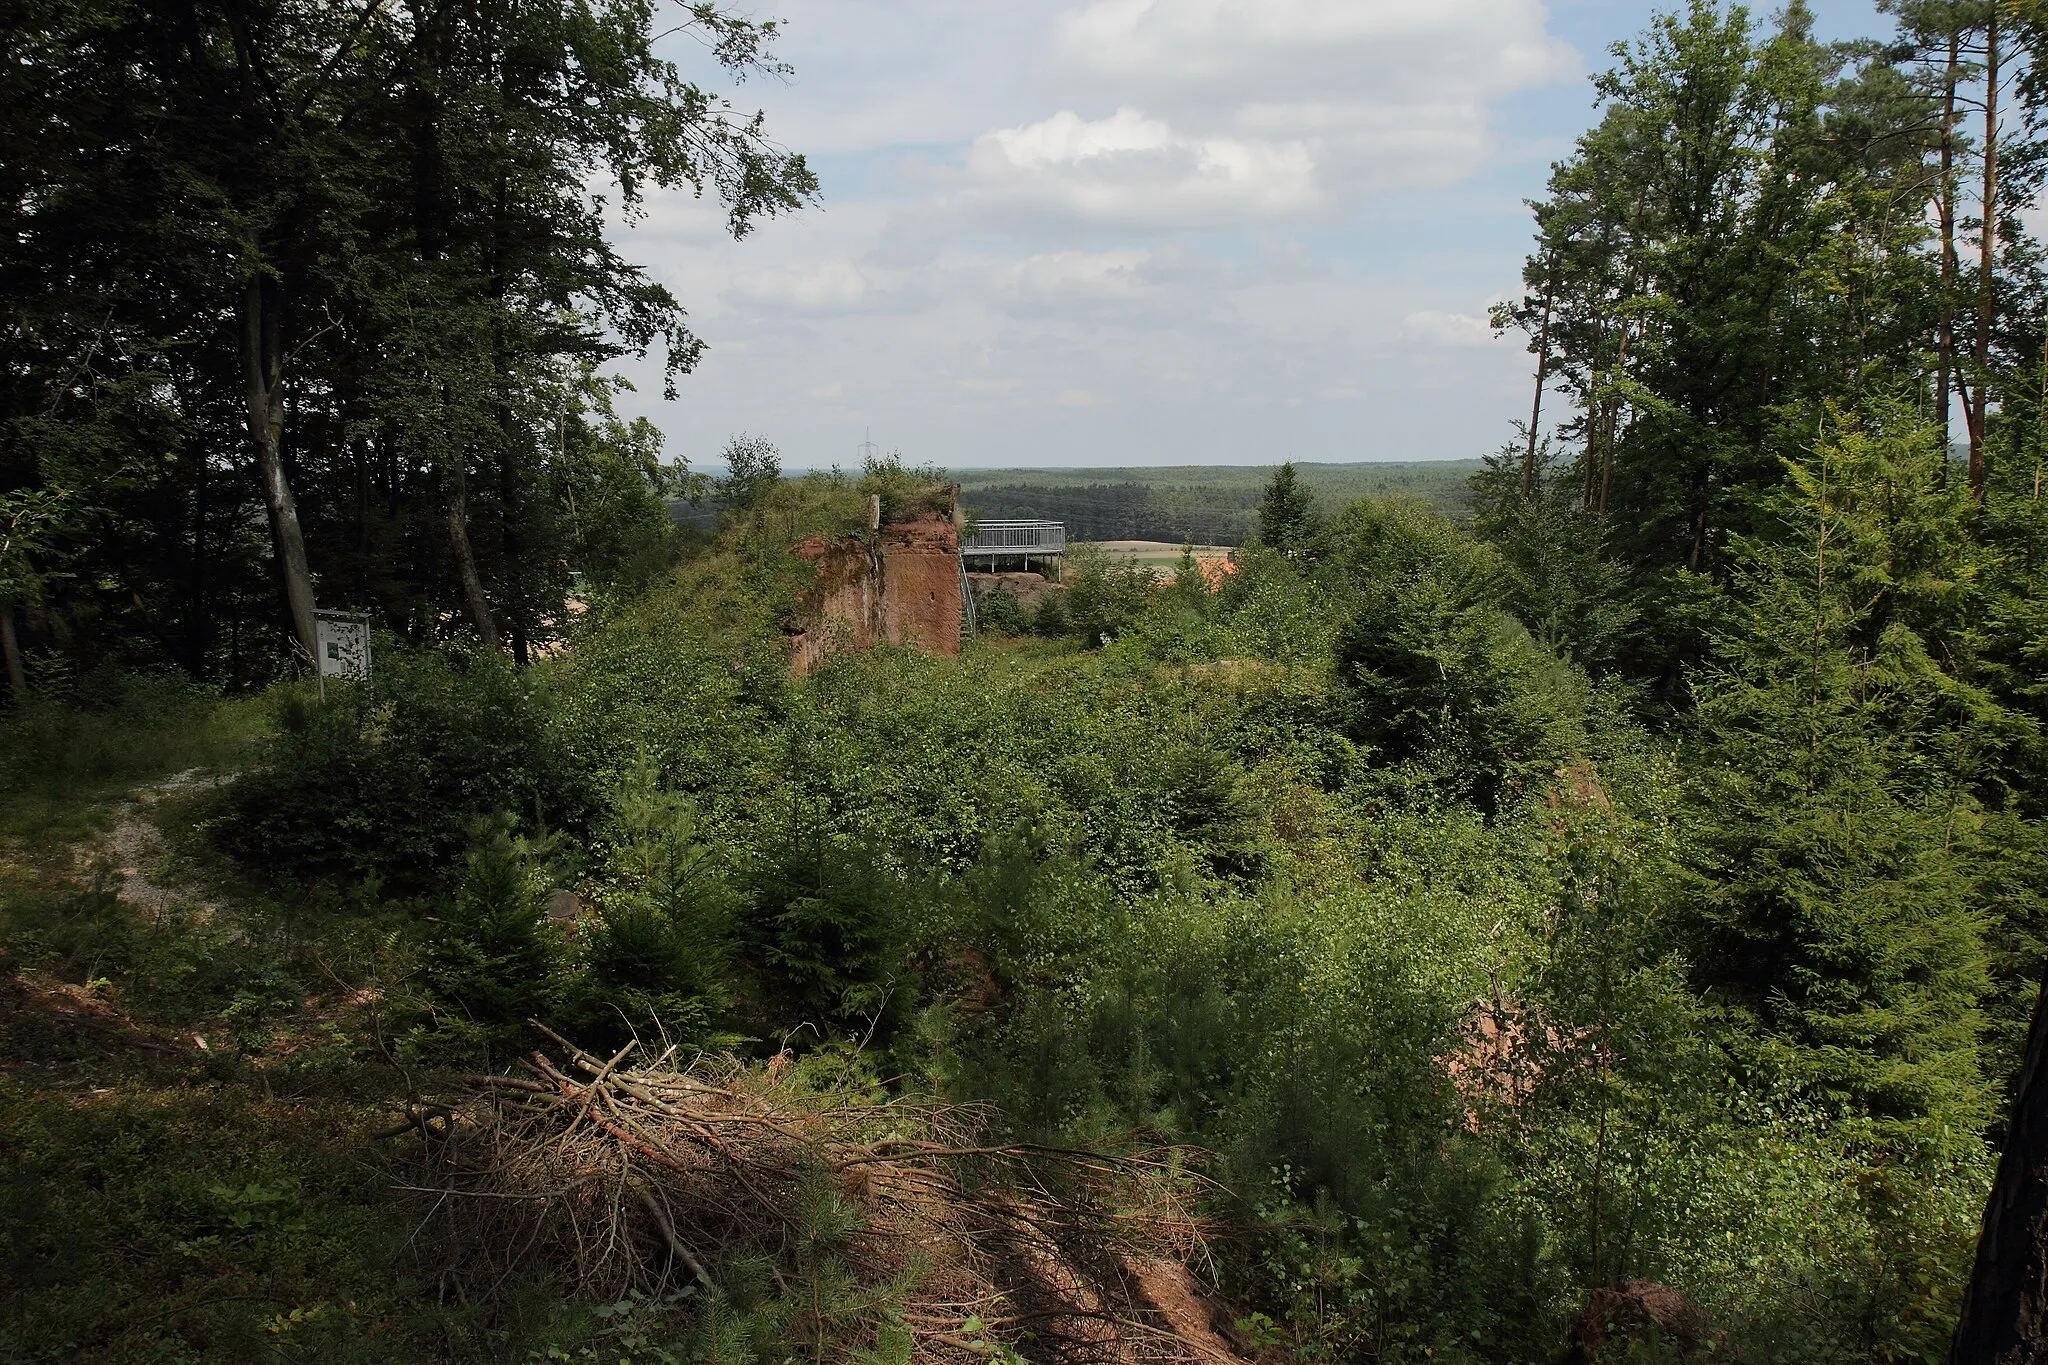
x=621, y=1175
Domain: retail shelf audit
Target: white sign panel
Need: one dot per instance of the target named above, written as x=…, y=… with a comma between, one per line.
x=344, y=644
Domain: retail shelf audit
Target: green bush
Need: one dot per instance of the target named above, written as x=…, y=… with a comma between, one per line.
x=1443, y=679
x=828, y=924
x=1052, y=618
x=1104, y=597
x=655, y=958
x=490, y=960
x=390, y=779
x=115, y=728
x=1000, y=612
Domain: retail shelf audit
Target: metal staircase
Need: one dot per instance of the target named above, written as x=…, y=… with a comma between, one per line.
x=968, y=624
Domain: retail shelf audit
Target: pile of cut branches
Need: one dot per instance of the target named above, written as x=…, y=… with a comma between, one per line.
x=869, y=1220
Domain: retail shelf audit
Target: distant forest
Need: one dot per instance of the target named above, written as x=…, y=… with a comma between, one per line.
x=1204, y=504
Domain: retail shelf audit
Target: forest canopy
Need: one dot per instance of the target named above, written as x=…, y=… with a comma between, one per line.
x=346, y=264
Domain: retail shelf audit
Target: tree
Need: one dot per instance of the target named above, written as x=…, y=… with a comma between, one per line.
x=368, y=245
x=1287, y=515
x=1848, y=760
x=1736, y=238
x=24, y=532
x=1440, y=677
x=1942, y=35
x=753, y=466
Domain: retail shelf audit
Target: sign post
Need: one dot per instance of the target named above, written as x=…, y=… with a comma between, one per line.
x=343, y=639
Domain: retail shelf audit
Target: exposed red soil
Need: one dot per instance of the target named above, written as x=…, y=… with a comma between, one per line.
x=904, y=589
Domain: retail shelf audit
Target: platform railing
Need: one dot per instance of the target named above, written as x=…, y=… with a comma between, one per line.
x=1017, y=538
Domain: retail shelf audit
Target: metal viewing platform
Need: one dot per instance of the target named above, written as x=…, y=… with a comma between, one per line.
x=1000, y=540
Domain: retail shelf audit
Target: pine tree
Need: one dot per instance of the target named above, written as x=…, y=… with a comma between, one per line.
x=1841, y=786
x=1287, y=515
x=487, y=958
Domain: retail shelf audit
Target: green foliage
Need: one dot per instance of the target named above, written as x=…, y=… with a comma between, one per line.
x=1842, y=799
x=753, y=466
x=905, y=494
x=1001, y=611
x=657, y=956
x=488, y=960
x=617, y=496
x=1561, y=582
x=91, y=733
x=253, y=1238
x=1204, y=504
x=1215, y=883
x=1287, y=515
x=1444, y=681
x=1646, y=885
x=391, y=777
x=1105, y=597
x=828, y=926
x=368, y=211
x=1052, y=617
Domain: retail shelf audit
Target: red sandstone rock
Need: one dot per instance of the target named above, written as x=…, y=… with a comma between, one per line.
x=902, y=590
x=921, y=584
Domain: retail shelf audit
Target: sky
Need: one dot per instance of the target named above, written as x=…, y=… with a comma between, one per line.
x=1127, y=232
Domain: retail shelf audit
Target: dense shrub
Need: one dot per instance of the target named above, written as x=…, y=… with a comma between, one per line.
x=489, y=960
x=1443, y=678
x=390, y=778
x=1342, y=873
x=1000, y=611
x=655, y=958
x=111, y=727
x=1105, y=597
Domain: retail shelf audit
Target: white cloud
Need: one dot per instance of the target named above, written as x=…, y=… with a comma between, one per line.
x=1131, y=169
x=1062, y=276
x=1371, y=93
x=831, y=285
x=1121, y=230
x=1451, y=329
x=1203, y=50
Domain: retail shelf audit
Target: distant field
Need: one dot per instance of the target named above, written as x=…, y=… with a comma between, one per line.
x=1207, y=504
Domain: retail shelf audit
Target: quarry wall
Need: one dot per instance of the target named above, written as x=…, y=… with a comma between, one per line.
x=902, y=587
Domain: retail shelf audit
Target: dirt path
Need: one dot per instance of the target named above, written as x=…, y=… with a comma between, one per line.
x=135, y=846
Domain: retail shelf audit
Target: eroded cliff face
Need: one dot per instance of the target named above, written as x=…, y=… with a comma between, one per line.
x=901, y=589
x=921, y=584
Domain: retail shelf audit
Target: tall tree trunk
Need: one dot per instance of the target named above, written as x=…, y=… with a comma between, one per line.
x=1607, y=460
x=512, y=582
x=198, y=632
x=1595, y=415
x=1542, y=373
x=10, y=646
x=1614, y=405
x=1701, y=489
x=262, y=376
x=465, y=556
x=1987, y=244
x=2005, y=1305
x=1945, y=333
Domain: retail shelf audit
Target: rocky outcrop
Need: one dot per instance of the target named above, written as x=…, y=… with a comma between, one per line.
x=1029, y=589
x=921, y=584
x=899, y=587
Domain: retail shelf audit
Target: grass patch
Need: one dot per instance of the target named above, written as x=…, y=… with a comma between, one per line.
x=61, y=764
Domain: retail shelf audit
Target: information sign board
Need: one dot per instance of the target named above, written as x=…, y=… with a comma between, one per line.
x=343, y=639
